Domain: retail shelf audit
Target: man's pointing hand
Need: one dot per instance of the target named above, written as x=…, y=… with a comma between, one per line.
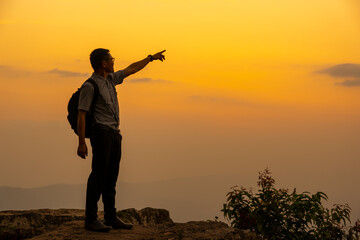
x=159, y=56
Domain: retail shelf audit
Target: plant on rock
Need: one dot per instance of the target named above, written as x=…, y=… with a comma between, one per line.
x=279, y=214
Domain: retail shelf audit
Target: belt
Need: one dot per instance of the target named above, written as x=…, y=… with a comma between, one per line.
x=106, y=128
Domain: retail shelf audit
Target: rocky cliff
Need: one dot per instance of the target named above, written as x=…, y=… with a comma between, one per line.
x=149, y=223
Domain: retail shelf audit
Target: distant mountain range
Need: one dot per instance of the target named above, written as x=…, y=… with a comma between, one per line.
x=197, y=198
x=188, y=199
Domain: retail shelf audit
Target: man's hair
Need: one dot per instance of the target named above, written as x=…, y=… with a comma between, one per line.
x=97, y=56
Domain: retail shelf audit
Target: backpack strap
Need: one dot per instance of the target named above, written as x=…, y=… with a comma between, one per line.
x=96, y=94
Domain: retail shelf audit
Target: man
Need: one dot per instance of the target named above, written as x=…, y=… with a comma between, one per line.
x=105, y=138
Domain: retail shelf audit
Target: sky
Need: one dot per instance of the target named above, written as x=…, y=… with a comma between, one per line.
x=245, y=85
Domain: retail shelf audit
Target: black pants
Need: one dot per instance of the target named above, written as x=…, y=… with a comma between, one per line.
x=106, y=148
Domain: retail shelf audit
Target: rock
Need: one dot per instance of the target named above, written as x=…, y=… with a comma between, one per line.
x=25, y=224
x=236, y=234
x=149, y=224
x=147, y=216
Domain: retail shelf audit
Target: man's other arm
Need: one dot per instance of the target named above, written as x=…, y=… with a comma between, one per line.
x=137, y=66
x=82, y=148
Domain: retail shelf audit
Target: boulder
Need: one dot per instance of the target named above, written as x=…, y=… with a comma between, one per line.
x=147, y=216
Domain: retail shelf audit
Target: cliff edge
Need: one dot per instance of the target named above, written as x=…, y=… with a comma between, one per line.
x=149, y=224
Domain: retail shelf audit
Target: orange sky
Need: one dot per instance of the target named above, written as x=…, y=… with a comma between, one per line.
x=240, y=88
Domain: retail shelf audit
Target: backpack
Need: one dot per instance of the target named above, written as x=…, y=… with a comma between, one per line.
x=73, y=110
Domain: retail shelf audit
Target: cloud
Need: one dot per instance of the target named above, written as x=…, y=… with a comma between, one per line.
x=343, y=70
x=12, y=72
x=349, y=83
x=148, y=80
x=5, y=69
x=63, y=73
x=220, y=100
x=346, y=70
x=202, y=98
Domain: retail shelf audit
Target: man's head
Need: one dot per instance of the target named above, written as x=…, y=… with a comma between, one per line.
x=101, y=58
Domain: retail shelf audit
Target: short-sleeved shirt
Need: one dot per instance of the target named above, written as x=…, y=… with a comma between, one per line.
x=106, y=110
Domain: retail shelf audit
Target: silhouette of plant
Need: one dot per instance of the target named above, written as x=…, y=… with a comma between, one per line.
x=279, y=214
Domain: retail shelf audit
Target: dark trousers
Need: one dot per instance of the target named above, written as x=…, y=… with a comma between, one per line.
x=106, y=149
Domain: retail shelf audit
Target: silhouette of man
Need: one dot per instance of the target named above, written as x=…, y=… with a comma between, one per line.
x=105, y=138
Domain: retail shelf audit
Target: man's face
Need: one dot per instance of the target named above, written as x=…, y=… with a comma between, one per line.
x=108, y=63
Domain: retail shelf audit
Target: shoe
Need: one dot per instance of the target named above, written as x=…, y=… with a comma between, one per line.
x=117, y=223
x=96, y=226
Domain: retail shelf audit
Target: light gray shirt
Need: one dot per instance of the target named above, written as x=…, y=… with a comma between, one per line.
x=106, y=107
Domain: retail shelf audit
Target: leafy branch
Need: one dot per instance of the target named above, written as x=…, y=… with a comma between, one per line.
x=280, y=214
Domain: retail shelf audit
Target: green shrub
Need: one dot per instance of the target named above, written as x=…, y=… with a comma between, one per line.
x=279, y=214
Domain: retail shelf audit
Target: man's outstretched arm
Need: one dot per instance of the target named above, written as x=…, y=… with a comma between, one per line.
x=137, y=66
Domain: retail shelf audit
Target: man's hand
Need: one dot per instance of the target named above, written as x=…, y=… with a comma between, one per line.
x=82, y=150
x=159, y=56
x=137, y=66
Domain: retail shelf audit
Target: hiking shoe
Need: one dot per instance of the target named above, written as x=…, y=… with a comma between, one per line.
x=117, y=223
x=96, y=226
